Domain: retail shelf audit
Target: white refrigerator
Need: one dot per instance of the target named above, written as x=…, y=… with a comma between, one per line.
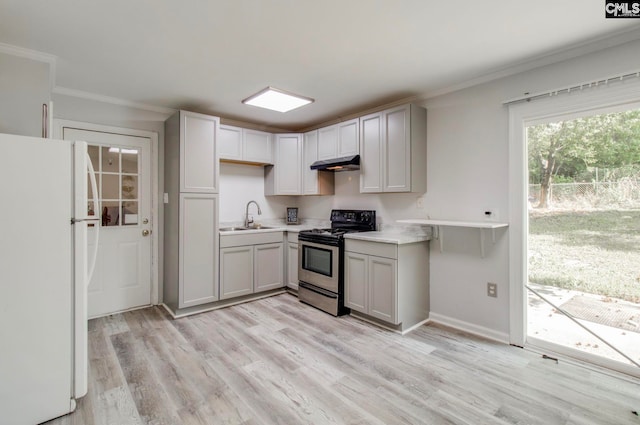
x=45, y=265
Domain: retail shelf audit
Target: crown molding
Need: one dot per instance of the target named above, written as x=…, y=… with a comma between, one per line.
x=27, y=53
x=35, y=55
x=65, y=91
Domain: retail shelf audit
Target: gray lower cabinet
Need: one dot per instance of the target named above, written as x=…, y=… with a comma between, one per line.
x=251, y=263
x=388, y=282
x=197, y=249
x=236, y=271
x=267, y=266
x=292, y=260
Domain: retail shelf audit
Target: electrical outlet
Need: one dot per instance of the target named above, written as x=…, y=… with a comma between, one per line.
x=420, y=202
x=492, y=289
x=490, y=214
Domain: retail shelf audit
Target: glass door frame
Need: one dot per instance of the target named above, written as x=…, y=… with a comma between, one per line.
x=616, y=97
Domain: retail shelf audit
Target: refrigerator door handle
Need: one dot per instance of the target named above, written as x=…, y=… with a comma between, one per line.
x=96, y=205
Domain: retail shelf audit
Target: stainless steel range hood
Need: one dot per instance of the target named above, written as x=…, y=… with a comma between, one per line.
x=345, y=163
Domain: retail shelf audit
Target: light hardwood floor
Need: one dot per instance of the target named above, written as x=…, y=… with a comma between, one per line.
x=277, y=361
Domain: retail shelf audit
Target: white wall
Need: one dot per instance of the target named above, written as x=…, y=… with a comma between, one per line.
x=241, y=183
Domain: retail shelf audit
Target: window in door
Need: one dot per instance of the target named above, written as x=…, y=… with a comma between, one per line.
x=117, y=175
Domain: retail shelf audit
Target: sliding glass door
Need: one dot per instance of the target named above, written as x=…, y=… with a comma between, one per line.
x=575, y=225
x=583, y=291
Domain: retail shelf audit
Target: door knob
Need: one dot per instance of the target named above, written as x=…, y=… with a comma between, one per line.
x=146, y=232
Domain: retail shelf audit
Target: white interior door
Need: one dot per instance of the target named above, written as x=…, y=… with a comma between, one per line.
x=122, y=277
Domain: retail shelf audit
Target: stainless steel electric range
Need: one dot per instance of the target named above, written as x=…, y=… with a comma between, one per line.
x=321, y=259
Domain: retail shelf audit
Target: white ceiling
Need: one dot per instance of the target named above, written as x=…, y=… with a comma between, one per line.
x=208, y=55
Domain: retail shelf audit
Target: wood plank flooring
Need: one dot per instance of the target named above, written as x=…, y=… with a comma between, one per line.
x=277, y=361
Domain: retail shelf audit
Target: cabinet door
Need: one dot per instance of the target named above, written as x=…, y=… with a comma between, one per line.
x=229, y=142
x=348, y=143
x=292, y=265
x=371, y=169
x=198, y=160
x=236, y=271
x=268, y=266
x=310, y=155
x=288, y=164
x=328, y=142
x=198, y=247
x=397, y=149
x=257, y=146
x=383, y=289
x=356, y=281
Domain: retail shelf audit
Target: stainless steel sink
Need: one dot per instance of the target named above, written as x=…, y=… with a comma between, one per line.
x=241, y=228
x=233, y=229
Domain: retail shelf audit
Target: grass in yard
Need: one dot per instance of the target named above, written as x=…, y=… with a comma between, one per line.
x=597, y=252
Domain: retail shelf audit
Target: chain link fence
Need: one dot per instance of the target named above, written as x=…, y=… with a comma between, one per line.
x=622, y=193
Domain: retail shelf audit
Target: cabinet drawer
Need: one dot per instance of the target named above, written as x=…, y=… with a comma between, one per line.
x=292, y=237
x=379, y=249
x=250, y=239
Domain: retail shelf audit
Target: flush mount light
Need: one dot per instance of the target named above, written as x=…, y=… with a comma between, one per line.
x=277, y=100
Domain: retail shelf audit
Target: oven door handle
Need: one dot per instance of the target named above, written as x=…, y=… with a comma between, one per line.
x=317, y=290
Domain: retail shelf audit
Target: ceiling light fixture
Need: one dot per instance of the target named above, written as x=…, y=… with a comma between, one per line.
x=277, y=100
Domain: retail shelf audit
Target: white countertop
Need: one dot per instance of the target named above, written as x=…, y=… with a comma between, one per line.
x=295, y=228
x=389, y=237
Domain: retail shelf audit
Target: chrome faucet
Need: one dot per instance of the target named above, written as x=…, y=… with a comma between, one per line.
x=247, y=220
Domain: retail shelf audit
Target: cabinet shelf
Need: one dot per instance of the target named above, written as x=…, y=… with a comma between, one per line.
x=438, y=234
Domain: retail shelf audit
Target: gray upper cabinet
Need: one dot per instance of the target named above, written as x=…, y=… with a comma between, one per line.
x=285, y=176
x=237, y=144
x=393, y=150
x=229, y=143
x=338, y=140
x=257, y=146
x=198, y=161
x=371, y=131
x=348, y=133
x=25, y=87
x=314, y=182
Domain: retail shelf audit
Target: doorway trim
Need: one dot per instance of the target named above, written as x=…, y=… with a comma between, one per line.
x=60, y=124
x=619, y=96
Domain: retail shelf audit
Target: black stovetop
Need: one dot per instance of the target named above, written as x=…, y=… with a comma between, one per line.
x=342, y=222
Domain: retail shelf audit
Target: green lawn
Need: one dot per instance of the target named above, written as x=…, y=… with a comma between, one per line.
x=597, y=252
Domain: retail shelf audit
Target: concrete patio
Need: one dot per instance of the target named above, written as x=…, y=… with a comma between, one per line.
x=544, y=322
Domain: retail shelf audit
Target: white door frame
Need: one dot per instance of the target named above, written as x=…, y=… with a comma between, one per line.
x=59, y=124
x=618, y=96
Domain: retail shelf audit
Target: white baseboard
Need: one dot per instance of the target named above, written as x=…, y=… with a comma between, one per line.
x=469, y=327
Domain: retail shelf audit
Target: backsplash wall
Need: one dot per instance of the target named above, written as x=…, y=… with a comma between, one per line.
x=241, y=183
x=389, y=206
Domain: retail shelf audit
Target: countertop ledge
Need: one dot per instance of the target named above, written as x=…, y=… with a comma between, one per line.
x=389, y=237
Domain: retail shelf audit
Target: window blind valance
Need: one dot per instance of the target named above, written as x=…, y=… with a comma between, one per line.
x=527, y=97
